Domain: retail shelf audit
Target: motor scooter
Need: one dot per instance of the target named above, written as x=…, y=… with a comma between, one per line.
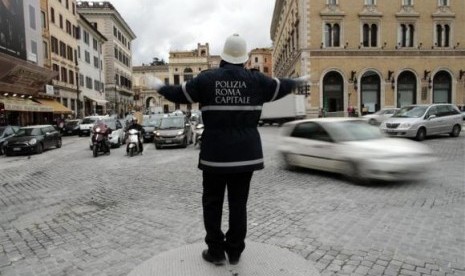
x=133, y=142
x=198, y=134
x=100, y=141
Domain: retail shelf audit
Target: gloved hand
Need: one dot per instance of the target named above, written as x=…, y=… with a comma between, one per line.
x=154, y=82
x=302, y=80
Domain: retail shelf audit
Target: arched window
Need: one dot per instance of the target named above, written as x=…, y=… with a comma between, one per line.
x=370, y=92
x=333, y=92
x=188, y=74
x=406, y=89
x=442, y=87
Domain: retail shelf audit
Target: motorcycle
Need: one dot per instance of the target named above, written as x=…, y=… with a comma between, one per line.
x=133, y=142
x=100, y=141
x=198, y=134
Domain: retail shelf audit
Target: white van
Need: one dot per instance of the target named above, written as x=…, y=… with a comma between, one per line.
x=87, y=124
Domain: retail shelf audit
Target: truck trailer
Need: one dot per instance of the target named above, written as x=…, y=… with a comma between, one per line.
x=289, y=108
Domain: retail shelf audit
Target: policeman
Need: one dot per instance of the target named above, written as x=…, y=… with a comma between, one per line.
x=231, y=99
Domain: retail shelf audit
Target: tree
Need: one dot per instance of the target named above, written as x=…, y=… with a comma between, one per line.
x=157, y=61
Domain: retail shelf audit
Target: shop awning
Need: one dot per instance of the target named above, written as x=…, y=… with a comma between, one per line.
x=97, y=101
x=56, y=106
x=23, y=104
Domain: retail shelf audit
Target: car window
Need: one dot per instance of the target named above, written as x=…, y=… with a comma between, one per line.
x=110, y=123
x=88, y=121
x=29, y=132
x=353, y=131
x=390, y=111
x=172, y=122
x=48, y=129
x=8, y=131
x=432, y=111
x=310, y=130
x=410, y=112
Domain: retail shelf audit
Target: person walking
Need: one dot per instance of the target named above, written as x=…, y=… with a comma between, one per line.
x=231, y=99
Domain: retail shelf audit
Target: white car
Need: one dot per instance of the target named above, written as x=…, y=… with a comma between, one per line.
x=379, y=116
x=87, y=124
x=351, y=147
x=117, y=136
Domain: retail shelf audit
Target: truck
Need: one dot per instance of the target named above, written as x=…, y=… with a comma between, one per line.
x=289, y=108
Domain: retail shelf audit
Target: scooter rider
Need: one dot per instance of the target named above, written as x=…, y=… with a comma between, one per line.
x=105, y=130
x=135, y=125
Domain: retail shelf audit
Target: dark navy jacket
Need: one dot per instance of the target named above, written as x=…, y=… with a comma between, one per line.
x=231, y=99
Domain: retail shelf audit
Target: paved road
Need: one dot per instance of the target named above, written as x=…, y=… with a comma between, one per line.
x=66, y=213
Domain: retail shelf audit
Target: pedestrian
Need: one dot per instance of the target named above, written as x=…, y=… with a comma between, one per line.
x=231, y=99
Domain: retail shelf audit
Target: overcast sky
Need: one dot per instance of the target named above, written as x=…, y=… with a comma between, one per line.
x=164, y=25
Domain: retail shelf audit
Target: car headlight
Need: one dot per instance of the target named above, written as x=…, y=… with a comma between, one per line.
x=180, y=132
x=97, y=129
x=156, y=133
x=33, y=141
x=405, y=125
x=5, y=143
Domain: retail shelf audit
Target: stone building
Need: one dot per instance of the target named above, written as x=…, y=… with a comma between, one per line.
x=261, y=59
x=117, y=53
x=371, y=53
x=182, y=66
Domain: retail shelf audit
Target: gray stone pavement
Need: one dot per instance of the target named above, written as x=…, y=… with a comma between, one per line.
x=66, y=213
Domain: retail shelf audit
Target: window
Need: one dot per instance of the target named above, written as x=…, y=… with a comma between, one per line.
x=52, y=15
x=45, y=46
x=70, y=53
x=56, y=68
x=62, y=49
x=34, y=48
x=88, y=82
x=407, y=33
x=64, y=74
x=81, y=80
x=87, y=56
x=332, y=35
x=61, y=21
x=79, y=52
x=332, y=2
x=74, y=8
x=43, y=20
x=95, y=44
x=311, y=131
x=442, y=35
x=71, y=76
x=68, y=28
x=86, y=37
x=407, y=2
x=115, y=31
x=370, y=35
x=96, y=85
x=67, y=4
x=443, y=3
x=32, y=17
x=54, y=45
x=370, y=2
x=96, y=62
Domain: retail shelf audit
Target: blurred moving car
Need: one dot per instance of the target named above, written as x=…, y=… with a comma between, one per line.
x=173, y=131
x=351, y=147
x=33, y=139
x=150, y=124
x=88, y=123
x=420, y=121
x=72, y=127
x=117, y=135
x=381, y=115
x=6, y=132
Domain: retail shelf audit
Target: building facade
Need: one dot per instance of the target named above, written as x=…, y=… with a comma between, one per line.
x=117, y=54
x=371, y=54
x=91, y=69
x=63, y=28
x=261, y=60
x=182, y=66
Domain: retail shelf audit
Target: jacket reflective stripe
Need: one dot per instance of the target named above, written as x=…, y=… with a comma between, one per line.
x=231, y=164
x=278, y=85
x=185, y=93
x=231, y=108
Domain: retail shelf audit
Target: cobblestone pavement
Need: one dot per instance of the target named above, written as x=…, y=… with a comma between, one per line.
x=66, y=213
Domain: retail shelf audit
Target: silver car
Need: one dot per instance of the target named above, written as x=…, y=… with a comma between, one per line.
x=419, y=121
x=381, y=115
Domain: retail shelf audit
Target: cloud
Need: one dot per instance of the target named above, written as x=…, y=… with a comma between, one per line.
x=164, y=25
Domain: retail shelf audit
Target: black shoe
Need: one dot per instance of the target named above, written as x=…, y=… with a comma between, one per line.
x=233, y=258
x=213, y=259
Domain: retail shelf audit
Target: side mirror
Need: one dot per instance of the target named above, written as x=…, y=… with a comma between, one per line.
x=432, y=117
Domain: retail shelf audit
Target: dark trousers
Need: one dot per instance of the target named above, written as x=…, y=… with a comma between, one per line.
x=214, y=186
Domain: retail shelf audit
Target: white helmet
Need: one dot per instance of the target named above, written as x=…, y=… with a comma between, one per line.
x=235, y=50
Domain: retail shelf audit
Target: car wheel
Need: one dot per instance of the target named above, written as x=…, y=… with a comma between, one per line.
x=372, y=122
x=421, y=134
x=455, y=131
x=39, y=148
x=355, y=175
x=157, y=146
x=95, y=151
x=59, y=143
x=131, y=152
x=286, y=162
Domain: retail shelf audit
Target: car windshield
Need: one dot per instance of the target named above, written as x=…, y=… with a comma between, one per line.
x=410, y=112
x=88, y=121
x=353, y=131
x=172, y=122
x=28, y=132
x=111, y=124
x=71, y=123
x=151, y=123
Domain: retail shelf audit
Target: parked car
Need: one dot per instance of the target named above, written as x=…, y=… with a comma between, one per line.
x=351, y=147
x=72, y=127
x=33, y=139
x=6, y=132
x=174, y=130
x=117, y=134
x=420, y=121
x=88, y=123
x=380, y=116
x=150, y=124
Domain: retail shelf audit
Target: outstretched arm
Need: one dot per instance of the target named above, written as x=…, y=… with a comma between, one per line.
x=173, y=93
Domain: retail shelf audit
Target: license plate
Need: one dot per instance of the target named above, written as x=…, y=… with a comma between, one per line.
x=16, y=149
x=69, y=131
x=168, y=141
x=391, y=131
